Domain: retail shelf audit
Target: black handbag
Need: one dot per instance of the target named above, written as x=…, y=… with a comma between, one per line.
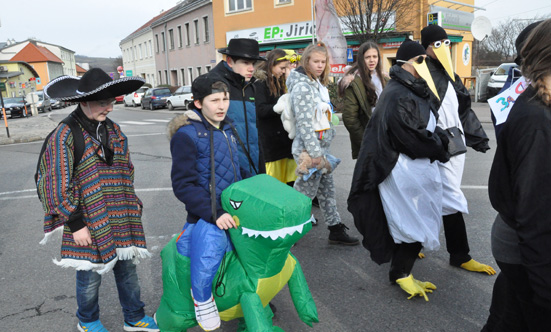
x=456, y=146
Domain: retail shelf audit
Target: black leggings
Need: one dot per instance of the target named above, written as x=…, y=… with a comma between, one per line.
x=403, y=258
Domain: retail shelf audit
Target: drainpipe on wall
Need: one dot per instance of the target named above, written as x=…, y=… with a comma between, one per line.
x=313, y=22
x=135, y=55
x=168, y=76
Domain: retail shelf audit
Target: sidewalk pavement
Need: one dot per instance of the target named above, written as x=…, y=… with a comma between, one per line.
x=36, y=128
x=33, y=128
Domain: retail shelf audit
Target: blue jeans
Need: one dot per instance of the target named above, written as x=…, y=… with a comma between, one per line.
x=128, y=286
x=205, y=244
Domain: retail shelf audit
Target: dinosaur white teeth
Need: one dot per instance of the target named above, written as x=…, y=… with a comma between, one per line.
x=278, y=233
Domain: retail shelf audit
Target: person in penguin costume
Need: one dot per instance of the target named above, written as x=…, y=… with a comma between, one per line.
x=454, y=111
x=396, y=192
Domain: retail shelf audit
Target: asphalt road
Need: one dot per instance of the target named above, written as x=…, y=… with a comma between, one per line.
x=352, y=293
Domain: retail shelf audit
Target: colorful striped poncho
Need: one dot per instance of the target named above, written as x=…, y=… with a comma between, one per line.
x=110, y=208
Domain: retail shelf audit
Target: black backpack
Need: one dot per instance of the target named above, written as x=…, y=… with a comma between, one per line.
x=78, y=139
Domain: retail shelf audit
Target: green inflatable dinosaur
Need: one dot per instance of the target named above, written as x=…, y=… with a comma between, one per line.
x=271, y=217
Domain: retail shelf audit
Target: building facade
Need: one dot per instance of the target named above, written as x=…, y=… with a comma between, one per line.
x=288, y=24
x=66, y=55
x=183, y=43
x=18, y=77
x=138, y=57
x=44, y=62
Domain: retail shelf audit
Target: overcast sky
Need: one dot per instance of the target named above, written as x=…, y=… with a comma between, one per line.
x=95, y=28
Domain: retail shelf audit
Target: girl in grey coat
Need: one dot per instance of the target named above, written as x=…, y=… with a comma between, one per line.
x=309, y=97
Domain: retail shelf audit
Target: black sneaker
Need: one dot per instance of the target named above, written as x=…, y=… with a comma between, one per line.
x=337, y=235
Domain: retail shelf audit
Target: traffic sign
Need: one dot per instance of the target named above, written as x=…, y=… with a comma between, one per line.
x=349, y=55
x=2, y=86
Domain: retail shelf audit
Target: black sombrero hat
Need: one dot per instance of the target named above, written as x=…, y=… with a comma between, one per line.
x=95, y=84
x=242, y=48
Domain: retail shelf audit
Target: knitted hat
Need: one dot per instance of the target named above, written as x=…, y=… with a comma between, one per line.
x=409, y=49
x=432, y=33
x=202, y=86
x=519, y=42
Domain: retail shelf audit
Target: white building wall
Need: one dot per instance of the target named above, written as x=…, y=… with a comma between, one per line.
x=138, y=56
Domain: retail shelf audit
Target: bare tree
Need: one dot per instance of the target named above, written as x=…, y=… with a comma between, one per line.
x=371, y=19
x=501, y=42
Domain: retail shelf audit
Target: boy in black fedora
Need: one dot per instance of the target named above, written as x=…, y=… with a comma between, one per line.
x=92, y=200
x=454, y=111
x=237, y=72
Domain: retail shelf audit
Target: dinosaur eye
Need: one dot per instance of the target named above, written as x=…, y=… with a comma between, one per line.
x=235, y=204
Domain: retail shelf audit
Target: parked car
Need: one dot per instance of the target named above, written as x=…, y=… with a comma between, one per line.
x=182, y=98
x=119, y=99
x=56, y=104
x=15, y=106
x=155, y=98
x=44, y=104
x=498, y=78
x=135, y=98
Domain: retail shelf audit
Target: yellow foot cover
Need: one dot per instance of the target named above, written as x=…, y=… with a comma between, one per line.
x=475, y=266
x=415, y=287
x=421, y=255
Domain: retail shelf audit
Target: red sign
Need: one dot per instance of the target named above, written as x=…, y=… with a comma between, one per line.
x=392, y=44
x=338, y=69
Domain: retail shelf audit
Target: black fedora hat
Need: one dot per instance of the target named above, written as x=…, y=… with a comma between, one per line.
x=242, y=48
x=95, y=84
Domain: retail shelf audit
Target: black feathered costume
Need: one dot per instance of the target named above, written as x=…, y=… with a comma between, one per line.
x=398, y=126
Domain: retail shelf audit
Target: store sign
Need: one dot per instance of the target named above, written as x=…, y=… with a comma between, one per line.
x=276, y=33
x=392, y=44
x=337, y=69
x=466, y=54
x=291, y=31
x=450, y=18
x=434, y=18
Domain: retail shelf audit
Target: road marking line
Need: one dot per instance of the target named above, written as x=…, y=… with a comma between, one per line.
x=31, y=196
x=157, y=120
x=147, y=189
x=16, y=192
x=474, y=187
x=153, y=134
x=136, y=123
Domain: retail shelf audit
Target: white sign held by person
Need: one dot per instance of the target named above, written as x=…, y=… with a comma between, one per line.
x=502, y=103
x=328, y=30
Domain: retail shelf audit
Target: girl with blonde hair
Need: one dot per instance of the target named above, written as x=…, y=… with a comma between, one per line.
x=311, y=107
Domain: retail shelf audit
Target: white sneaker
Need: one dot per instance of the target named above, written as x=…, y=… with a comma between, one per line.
x=207, y=314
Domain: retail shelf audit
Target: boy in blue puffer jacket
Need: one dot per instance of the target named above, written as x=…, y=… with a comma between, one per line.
x=205, y=161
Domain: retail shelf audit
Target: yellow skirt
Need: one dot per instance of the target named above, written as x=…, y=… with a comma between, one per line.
x=282, y=169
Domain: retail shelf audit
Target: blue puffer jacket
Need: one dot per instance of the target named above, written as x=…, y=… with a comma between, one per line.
x=189, y=135
x=243, y=113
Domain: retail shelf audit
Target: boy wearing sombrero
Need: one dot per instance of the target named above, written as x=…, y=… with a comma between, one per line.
x=237, y=72
x=94, y=204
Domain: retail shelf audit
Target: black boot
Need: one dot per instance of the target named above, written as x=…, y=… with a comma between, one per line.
x=337, y=235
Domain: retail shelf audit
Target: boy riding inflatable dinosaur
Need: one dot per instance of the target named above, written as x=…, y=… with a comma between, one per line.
x=270, y=218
